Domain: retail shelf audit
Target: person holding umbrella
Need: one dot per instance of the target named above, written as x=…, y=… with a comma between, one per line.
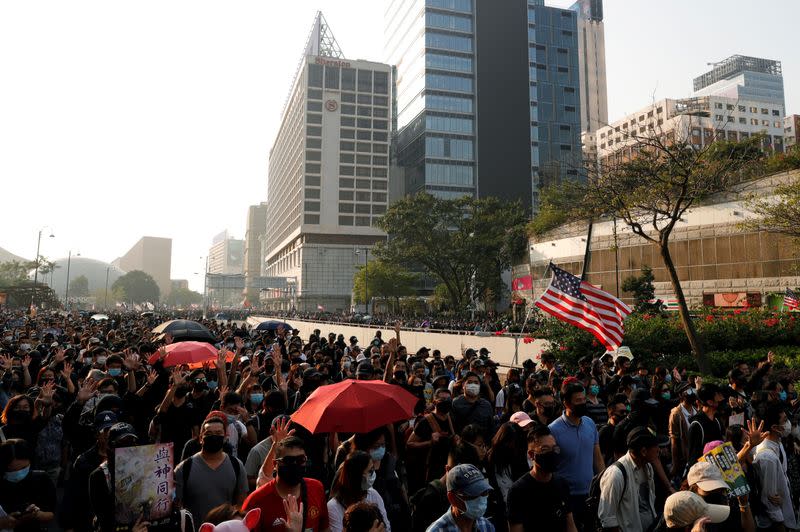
x=354, y=485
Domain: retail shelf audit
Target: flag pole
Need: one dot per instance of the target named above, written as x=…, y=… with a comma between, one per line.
x=587, y=255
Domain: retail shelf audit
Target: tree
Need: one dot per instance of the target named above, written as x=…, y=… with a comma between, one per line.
x=464, y=243
x=641, y=286
x=137, y=286
x=385, y=280
x=779, y=214
x=183, y=297
x=652, y=189
x=108, y=299
x=14, y=272
x=79, y=286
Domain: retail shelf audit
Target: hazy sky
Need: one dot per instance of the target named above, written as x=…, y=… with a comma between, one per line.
x=124, y=119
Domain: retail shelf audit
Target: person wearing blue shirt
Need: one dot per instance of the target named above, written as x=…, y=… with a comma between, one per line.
x=576, y=435
x=468, y=494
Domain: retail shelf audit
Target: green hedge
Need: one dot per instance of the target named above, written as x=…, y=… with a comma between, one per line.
x=659, y=339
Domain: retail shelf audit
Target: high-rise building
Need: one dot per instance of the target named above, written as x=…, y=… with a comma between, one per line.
x=744, y=78
x=253, y=245
x=592, y=64
x=152, y=255
x=487, y=96
x=791, y=130
x=328, y=175
x=226, y=255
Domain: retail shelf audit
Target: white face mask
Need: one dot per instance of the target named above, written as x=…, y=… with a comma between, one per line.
x=786, y=428
x=472, y=389
x=101, y=360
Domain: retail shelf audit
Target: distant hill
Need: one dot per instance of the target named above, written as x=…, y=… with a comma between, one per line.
x=7, y=256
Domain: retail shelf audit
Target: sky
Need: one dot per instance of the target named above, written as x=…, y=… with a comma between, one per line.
x=155, y=118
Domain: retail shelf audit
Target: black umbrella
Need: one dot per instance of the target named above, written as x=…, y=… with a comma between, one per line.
x=272, y=325
x=185, y=330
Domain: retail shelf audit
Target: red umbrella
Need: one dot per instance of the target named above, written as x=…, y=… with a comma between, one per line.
x=354, y=406
x=192, y=353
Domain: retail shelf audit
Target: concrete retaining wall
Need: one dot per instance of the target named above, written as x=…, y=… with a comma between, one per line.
x=506, y=350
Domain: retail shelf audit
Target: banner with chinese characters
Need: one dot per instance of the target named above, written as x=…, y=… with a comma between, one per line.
x=143, y=483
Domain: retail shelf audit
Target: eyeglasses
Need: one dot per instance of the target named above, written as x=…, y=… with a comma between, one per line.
x=293, y=460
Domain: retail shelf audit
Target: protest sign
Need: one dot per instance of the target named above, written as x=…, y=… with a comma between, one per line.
x=143, y=483
x=724, y=457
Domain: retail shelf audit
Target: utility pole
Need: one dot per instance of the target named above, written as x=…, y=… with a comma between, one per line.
x=105, y=305
x=36, y=270
x=66, y=290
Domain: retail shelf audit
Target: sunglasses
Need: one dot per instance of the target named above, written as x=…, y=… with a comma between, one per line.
x=293, y=460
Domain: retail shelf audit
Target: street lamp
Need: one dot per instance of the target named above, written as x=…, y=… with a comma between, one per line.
x=366, y=279
x=36, y=270
x=105, y=305
x=66, y=290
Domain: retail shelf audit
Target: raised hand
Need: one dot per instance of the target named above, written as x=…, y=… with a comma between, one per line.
x=294, y=514
x=47, y=391
x=87, y=390
x=152, y=375
x=238, y=342
x=755, y=433
x=59, y=354
x=5, y=362
x=178, y=377
x=131, y=361
x=162, y=353
x=280, y=431
x=222, y=355
x=26, y=361
x=67, y=371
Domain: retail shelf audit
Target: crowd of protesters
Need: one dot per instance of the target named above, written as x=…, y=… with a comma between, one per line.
x=609, y=445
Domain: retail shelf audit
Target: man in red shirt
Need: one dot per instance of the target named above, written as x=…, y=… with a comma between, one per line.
x=276, y=499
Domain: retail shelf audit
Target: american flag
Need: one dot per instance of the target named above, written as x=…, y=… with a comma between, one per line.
x=585, y=306
x=791, y=300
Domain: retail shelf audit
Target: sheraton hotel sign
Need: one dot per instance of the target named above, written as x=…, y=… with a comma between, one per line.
x=332, y=62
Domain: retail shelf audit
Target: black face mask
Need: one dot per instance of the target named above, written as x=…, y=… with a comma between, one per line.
x=291, y=474
x=444, y=406
x=200, y=386
x=549, y=412
x=182, y=391
x=547, y=462
x=400, y=375
x=716, y=498
x=212, y=443
x=19, y=416
x=580, y=410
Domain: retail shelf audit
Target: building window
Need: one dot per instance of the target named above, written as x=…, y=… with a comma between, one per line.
x=742, y=120
x=776, y=112
x=379, y=160
x=348, y=79
x=379, y=209
x=313, y=155
x=346, y=145
x=349, y=97
x=311, y=219
x=362, y=171
x=448, y=42
x=717, y=105
x=378, y=172
x=363, y=208
x=742, y=109
x=346, y=170
x=348, y=121
x=312, y=180
x=363, y=159
x=363, y=147
x=364, y=134
x=314, y=94
x=729, y=106
x=314, y=143
x=379, y=148
x=365, y=80
x=315, y=76
x=348, y=133
x=448, y=62
x=345, y=220
x=348, y=109
x=332, y=77
x=314, y=106
x=364, y=111
x=313, y=168
x=379, y=185
x=313, y=118
x=346, y=195
x=730, y=118
x=364, y=123
x=765, y=122
x=346, y=207
x=365, y=98
x=380, y=124
x=764, y=111
x=453, y=5
x=313, y=131
x=754, y=121
x=754, y=109
x=362, y=184
x=448, y=22
x=718, y=118
x=362, y=221
x=312, y=193
x=362, y=196
x=345, y=182
x=450, y=83
x=381, y=82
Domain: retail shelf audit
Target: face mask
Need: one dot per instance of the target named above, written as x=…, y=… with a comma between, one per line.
x=594, y=389
x=256, y=398
x=549, y=411
x=400, y=375
x=212, y=385
x=666, y=396
x=786, y=428
x=668, y=378
x=472, y=389
x=291, y=474
x=463, y=373
x=782, y=395
x=444, y=406
x=115, y=372
x=476, y=507
x=17, y=476
x=547, y=462
x=25, y=347
x=88, y=361
x=212, y=443
x=101, y=360
x=579, y=410
x=377, y=454
x=427, y=372
x=368, y=481
x=20, y=416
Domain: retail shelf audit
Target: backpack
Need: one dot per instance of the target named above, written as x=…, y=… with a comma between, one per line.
x=593, y=499
x=187, y=468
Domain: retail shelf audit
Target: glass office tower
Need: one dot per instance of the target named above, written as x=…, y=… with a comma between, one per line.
x=486, y=95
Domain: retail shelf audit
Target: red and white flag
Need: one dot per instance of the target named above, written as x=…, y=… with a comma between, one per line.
x=522, y=283
x=585, y=306
x=320, y=308
x=791, y=299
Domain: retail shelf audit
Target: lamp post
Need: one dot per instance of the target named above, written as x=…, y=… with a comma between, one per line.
x=205, y=288
x=105, y=305
x=36, y=269
x=366, y=279
x=66, y=290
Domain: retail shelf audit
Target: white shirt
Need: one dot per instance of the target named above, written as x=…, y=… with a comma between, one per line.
x=770, y=459
x=623, y=510
x=687, y=414
x=336, y=511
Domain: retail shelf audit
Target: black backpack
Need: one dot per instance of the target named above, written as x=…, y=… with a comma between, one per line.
x=593, y=499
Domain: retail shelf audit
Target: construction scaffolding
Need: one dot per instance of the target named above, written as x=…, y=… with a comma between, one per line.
x=734, y=65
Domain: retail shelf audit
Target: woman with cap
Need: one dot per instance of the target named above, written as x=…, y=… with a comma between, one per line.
x=688, y=512
x=705, y=480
